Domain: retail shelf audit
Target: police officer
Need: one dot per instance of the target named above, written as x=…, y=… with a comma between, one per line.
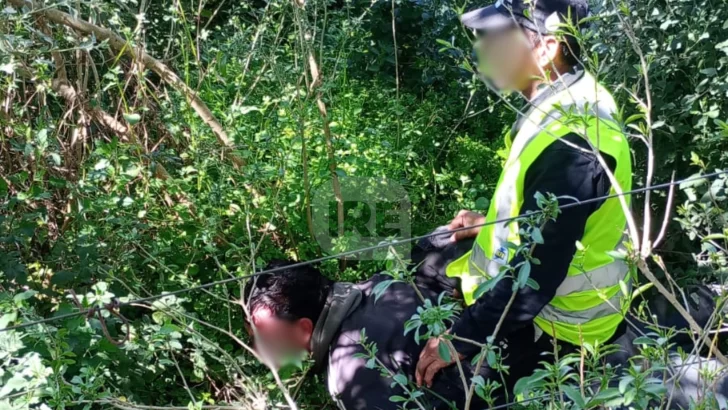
x=567, y=142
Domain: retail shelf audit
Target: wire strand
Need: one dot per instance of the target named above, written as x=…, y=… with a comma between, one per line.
x=357, y=251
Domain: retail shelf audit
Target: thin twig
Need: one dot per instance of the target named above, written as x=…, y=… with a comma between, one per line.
x=642, y=265
x=481, y=358
x=497, y=329
x=396, y=72
x=184, y=380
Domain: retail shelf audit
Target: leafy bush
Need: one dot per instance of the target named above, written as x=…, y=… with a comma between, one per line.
x=112, y=184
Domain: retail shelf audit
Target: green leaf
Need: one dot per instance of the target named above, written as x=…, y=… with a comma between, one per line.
x=644, y=340
x=102, y=164
x=88, y=44
x=133, y=118
x=510, y=245
x=524, y=273
x=55, y=158
x=694, y=181
x=8, y=318
x=537, y=236
x=574, y=395
x=158, y=317
x=479, y=383
x=526, y=385
x=532, y=284
x=624, y=383
x=478, y=380
x=7, y=68
x=397, y=399
x=24, y=296
x=484, y=288
x=476, y=358
x=618, y=255
x=63, y=277
x=629, y=396
x=540, y=199
x=401, y=379
x=656, y=390
x=248, y=109
x=634, y=117
x=17, y=382
x=169, y=328
x=411, y=325
x=604, y=395
x=522, y=385
x=482, y=203
x=371, y=363
x=133, y=171
x=444, y=352
x=380, y=288
x=491, y=358
x=714, y=236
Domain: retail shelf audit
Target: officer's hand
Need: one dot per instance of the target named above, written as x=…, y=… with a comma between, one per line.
x=430, y=363
x=464, y=219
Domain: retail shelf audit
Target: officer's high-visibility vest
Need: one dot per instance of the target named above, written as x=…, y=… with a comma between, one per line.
x=591, y=301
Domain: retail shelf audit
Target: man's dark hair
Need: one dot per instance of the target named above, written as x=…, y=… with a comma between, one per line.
x=290, y=294
x=570, y=50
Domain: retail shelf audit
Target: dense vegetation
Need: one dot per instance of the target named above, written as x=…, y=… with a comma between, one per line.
x=120, y=178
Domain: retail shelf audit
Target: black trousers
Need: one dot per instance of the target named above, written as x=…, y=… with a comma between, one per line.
x=521, y=352
x=522, y=355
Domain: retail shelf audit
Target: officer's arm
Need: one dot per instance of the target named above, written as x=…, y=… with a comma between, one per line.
x=563, y=171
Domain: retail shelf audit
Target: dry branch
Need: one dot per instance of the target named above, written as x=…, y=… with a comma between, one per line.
x=120, y=45
x=700, y=333
x=63, y=88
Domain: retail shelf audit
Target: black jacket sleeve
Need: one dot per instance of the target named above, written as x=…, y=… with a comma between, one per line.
x=361, y=388
x=562, y=170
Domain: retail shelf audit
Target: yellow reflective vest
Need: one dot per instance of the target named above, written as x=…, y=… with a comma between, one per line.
x=590, y=303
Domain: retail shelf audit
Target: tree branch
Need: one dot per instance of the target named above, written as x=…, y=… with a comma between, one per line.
x=122, y=46
x=316, y=81
x=642, y=265
x=668, y=212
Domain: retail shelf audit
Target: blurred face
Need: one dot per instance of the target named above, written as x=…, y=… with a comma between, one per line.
x=280, y=340
x=506, y=58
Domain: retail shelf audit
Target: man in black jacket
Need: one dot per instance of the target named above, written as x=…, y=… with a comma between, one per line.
x=298, y=310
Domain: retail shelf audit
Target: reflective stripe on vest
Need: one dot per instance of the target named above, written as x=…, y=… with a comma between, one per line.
x=609, y=307
x=588, y=304
x=603, y=277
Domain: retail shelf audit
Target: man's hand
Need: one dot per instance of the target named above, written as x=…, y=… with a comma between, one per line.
x=430, y=362
x=464, y=219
